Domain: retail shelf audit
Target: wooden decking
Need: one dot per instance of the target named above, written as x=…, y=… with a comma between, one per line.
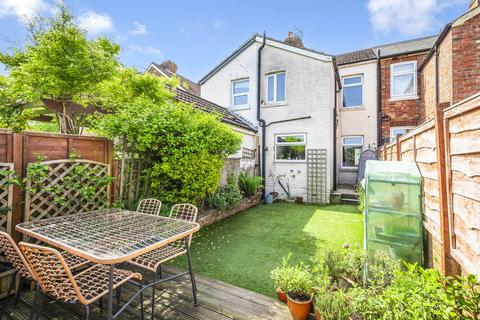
x=218, y=301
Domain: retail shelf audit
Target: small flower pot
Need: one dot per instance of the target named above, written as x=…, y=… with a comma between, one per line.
x=281, y=295
x=299, y=309
x=274, y=194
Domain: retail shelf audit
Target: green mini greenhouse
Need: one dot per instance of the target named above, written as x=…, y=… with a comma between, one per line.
x=393, y=210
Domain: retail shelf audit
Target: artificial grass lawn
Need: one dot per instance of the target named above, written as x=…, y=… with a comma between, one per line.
x=243, y=249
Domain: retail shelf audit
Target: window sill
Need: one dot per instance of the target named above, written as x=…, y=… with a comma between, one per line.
x=238, y=108
x=352, y=108
x=274, y=104
x=349, y=169
x=393, y=99
x=290, y=161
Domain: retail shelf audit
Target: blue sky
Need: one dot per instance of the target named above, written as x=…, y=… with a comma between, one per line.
x=199, y=34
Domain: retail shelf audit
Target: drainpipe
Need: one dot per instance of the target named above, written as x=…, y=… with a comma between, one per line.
x=437, y=98
x=337, y=90
x=261, y=122
x=379, y=100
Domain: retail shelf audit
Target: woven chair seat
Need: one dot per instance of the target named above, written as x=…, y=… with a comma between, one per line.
x=93, y=282
x=153, y=259
x=72, y=260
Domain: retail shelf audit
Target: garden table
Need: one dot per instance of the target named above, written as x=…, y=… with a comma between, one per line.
x=110, y=237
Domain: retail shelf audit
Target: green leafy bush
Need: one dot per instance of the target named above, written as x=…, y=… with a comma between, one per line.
x=296, y=280
x=361, y=197
x=249, y=185
x=226, y=197
x=333, y=305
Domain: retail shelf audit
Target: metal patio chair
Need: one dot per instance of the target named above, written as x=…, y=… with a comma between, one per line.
x=14, y=256
x=153, y=260
x=150, y=206
x=56, y=280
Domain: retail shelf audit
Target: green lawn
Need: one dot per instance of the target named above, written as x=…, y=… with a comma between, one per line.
x=243, y=249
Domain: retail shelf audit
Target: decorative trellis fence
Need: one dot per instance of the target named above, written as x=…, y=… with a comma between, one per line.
x=317, y=190
x=6, y=196
x=66, y=187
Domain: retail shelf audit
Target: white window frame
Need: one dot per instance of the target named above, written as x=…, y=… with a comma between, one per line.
x=394, y=137
x=304, y=143
x=352, y=85
x=355, y=145
x=233, y=94
x=393, y=74
x=275, y=85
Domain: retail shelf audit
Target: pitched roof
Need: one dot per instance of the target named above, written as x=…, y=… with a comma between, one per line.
x=227, y=115
x=388, y=50
x=247, y=44
x=192, y=86
x=356, y=56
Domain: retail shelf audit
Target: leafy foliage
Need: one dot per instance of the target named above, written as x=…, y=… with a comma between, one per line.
x=248, y=184
x=295, y=280
x=12, y=113
x=226, y=197
x=333, y=305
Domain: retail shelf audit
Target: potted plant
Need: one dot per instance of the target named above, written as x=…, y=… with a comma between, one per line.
x=299, y=292
x=280, y=277
x=332, y=305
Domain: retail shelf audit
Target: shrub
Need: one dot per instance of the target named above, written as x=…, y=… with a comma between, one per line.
x=226, y=197
x=333, y=305
x=295, y=280
x=361, y=197
x=248, y=184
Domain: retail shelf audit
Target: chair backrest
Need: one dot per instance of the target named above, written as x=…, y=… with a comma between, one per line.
x=14, y=256
x=150, y=206
x=184, y=211
x=52, y=272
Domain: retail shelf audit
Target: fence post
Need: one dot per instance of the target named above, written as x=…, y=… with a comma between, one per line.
x=399, y=149
x=445, y=262
x=17, y=198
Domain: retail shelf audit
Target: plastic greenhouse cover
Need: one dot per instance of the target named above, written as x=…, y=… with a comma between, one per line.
x=393, y=172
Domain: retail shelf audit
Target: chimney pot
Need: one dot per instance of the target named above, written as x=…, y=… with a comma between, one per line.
x=293, y=40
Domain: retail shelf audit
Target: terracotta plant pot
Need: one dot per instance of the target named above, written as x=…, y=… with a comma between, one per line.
x=299, y=309
x=281, y=295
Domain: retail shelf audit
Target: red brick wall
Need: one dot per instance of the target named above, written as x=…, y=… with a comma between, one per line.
x=466, y=58
x=401, y=112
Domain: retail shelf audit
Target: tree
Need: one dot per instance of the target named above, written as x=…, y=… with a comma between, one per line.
x=60, y=63
x=12, y=112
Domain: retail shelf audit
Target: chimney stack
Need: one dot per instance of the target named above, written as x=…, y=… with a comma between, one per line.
x=170, y=66
x=293, y=40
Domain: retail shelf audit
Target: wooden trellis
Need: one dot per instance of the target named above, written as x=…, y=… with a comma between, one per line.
x=317, y=191
x=41, y=205
x=6, y=197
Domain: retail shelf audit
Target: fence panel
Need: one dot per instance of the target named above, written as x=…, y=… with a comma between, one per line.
x=6, y=196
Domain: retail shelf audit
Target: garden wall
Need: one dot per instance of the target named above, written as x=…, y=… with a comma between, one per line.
x=447, y=152
x=23, y=148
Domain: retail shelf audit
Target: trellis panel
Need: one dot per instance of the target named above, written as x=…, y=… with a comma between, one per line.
x=6, y=197
x=41, y=205
x=317, y=190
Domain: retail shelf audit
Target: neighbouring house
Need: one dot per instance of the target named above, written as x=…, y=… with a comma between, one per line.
x=289, y=92
x=245, y=158
x=453, y=59
x=356, y=112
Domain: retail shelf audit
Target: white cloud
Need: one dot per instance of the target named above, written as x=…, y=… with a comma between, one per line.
x=95, y=22
x=24, y=10
x=146, y=50
x=218, y=24
x=408, y=17
x=138, y=29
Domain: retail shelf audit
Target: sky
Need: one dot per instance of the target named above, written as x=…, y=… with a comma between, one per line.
x=198, y=34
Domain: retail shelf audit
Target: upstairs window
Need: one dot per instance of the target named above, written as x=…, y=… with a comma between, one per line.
x=276, y=90
x=353, y=91
x=240, y=90
x=352, y=147
x=403, y=80
x=290, y=147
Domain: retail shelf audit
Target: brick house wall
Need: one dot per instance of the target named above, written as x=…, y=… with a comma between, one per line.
x=466, y=56
x=396, y=113
x=428, y=96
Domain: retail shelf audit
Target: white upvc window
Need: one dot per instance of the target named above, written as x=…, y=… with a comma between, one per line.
x=403, y=80
x=290, y=147
x=352, y=147
x=352, y=91
x=240, y=91
x=394, y=131
x=276, y=88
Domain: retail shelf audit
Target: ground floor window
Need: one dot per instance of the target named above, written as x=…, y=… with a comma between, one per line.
x=290, y=147
x=352, y=147
x=394, y=131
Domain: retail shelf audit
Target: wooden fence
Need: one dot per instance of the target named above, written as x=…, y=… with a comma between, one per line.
x=447, y=152
x=21, y=149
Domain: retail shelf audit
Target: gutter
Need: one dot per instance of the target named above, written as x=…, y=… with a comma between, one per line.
x=261, y=122
x=379, y=100
x=287, y=120
x=430, y=53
